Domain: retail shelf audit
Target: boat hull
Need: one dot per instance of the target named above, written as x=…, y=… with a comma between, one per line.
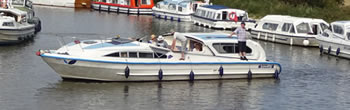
x=171, y=16
x=285, y=39
x=334, y=48
x=13, y=36
x=119, y=9
x=149, y=71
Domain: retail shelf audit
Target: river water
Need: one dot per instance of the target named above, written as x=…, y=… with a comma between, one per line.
x=309, y=81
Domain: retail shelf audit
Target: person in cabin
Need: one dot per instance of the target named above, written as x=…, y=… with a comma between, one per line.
x=183, y=40
x=241, y=35
x=197, y=47
x=161, y=42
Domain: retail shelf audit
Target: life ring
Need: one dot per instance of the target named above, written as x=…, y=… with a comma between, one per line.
x=232, y=15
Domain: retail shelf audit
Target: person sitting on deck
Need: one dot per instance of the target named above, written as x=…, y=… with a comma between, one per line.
x=161, y=42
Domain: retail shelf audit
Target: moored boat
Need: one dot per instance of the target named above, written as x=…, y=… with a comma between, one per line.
x=120, y=59
x=179, y=10
x=64, y=3
x=14, y=26
x=289, y=30
x=124, y=6
x=336, y=39
x=221, y=17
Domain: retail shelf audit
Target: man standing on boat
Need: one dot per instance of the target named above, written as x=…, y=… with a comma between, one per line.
x=183, y=40
x=241, y=35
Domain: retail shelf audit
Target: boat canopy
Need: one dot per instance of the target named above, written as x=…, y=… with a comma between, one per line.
x=14, y=11
x=290, y=19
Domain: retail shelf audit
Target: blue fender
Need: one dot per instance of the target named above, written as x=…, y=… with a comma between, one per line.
x=191, y=75
x=221, y=71
x=127, y=72
x=160, y=74
x=338, y=51
x=250, y=75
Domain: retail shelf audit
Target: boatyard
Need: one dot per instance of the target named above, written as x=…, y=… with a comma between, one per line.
x=140, y=54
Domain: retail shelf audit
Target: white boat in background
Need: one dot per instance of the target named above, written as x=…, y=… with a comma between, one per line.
x=221, y=17
x=289, y=30
x=336, y=39
x=124, y=6
x=120, y=59
x=63, y=3
x=179, y=10
x=14, y=26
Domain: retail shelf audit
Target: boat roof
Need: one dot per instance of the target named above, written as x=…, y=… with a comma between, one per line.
x=174, y=1
x=14, y=11
x=346, y=24
x=216, y=7
x=212, y=37
x=290, y=19
x=223, y=8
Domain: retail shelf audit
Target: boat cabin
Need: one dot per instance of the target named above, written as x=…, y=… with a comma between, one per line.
x=181, y=6
x=291, y=25
x=9, y=17
x=217, y=16
x=216, y=12
x=340, y=29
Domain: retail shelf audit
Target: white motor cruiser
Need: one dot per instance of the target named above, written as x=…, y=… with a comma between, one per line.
x=178, y=10
x=215, y=57
x=221, y=17
x=336, y=39
x=14, y=26
x=289, y=30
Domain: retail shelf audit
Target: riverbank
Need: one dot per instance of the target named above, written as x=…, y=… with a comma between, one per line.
x=329, y=11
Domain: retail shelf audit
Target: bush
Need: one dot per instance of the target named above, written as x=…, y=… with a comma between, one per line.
x=329, y=10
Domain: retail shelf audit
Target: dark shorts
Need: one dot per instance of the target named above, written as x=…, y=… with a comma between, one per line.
x=242, y=46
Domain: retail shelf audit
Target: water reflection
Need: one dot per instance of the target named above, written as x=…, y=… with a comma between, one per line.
x=156, y=95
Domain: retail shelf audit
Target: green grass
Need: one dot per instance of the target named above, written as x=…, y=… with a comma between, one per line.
x=330, y=11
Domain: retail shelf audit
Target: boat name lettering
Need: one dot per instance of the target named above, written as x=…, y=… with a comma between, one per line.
x=265, y=66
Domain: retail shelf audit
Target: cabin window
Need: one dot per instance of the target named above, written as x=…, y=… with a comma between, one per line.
x=224, y=15
x=145, y=55
x=115, y=1
x=323, y=26
x=203, y=13
x=348, y=34
x=338, y=29
x=160, y=55
x=218, y=16
x=127, y=2
x=9, y=24
x=228, y=48
x=292, y=29
x=132, y=54
x=145, y=2
x=325, y=34
x=172, y=7
x=270, y=26
x=209, y=14
x=180, y=9
x=123, y=54
x=116, y=54
x=303, y=28
x=198, y=12
x=286, y=27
